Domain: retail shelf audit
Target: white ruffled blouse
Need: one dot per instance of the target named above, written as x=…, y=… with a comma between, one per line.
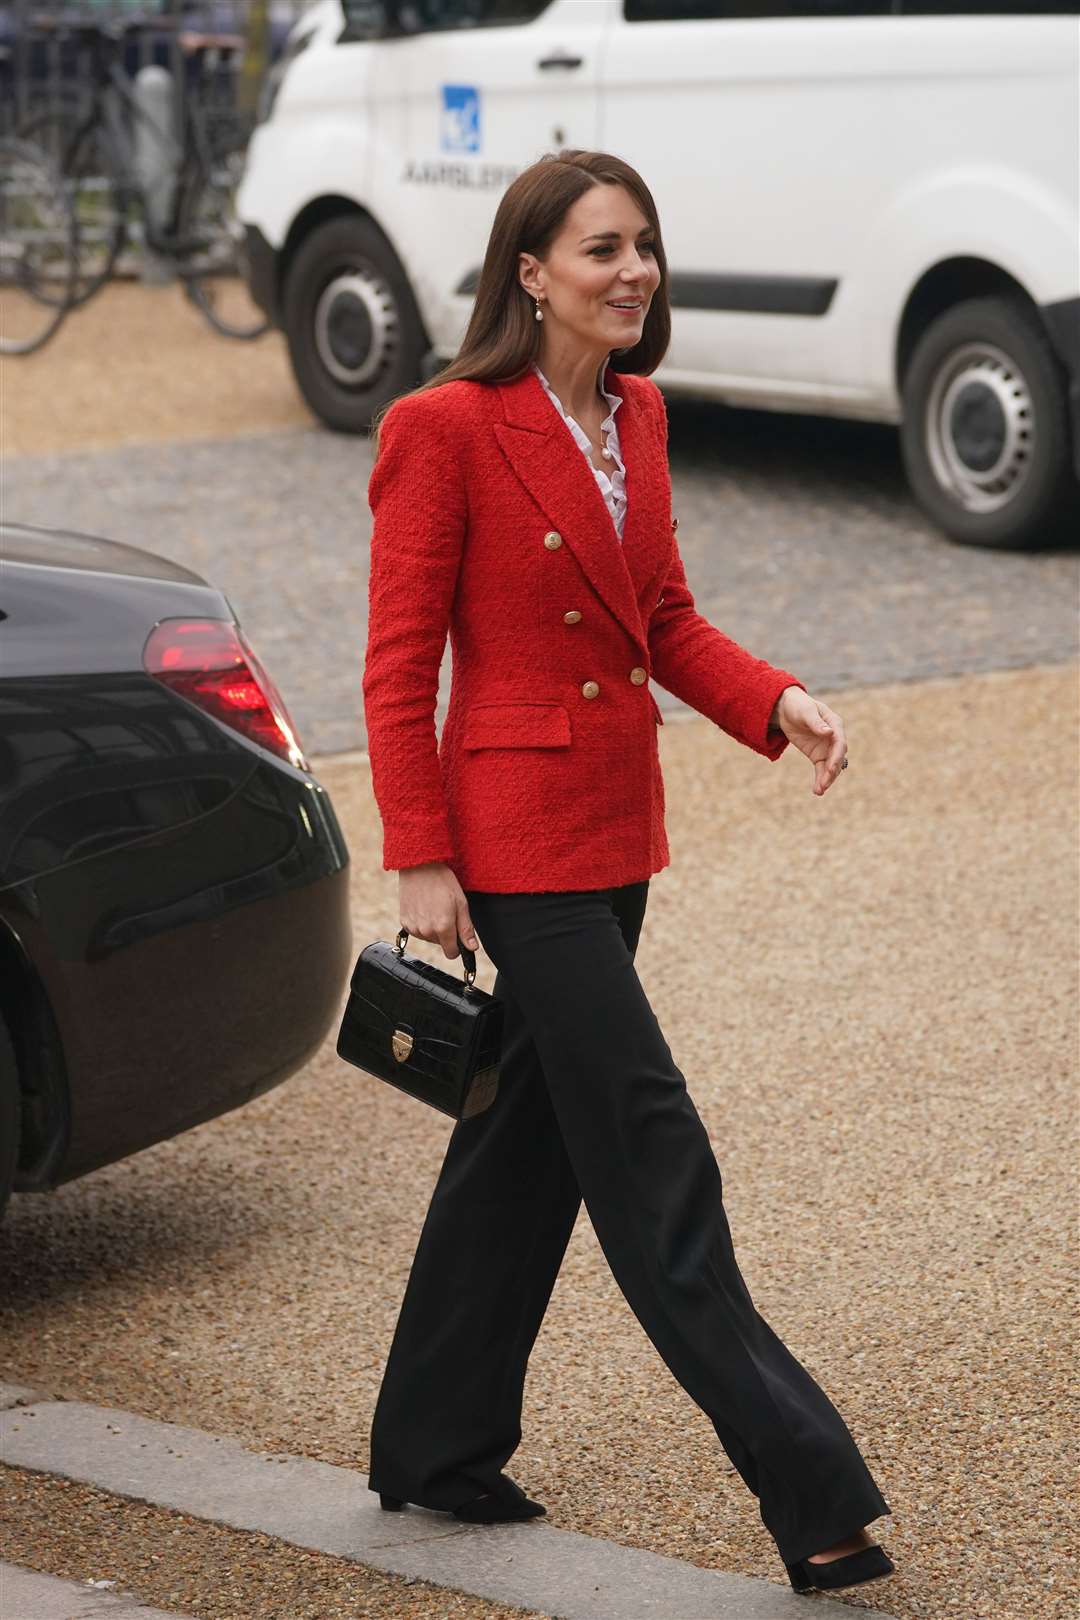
x=612, y=486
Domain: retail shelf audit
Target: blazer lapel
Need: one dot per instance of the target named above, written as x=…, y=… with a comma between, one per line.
x=647, y=533
x=552, y=468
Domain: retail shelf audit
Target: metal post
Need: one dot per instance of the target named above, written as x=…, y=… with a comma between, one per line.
x=255, y=60
x=157, y=160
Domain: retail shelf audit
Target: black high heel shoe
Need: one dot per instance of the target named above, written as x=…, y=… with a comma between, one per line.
x=507, y=1505
x=868, y=1564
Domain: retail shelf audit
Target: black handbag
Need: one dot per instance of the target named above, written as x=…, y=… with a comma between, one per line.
x=422, y=1029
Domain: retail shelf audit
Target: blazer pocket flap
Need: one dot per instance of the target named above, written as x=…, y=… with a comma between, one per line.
x=517, y=725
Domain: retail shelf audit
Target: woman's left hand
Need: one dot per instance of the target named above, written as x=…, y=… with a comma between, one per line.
x=816, y=730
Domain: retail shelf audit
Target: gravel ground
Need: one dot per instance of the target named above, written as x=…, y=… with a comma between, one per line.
x=205, y=1571
x=139, y=364
x=873, y=998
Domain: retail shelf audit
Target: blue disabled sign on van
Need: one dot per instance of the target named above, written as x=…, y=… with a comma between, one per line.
x=460, y=130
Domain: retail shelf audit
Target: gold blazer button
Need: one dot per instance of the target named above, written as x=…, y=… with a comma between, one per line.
x=573, y=617
x=553, y=539
x=591, y=689
x=638, y=675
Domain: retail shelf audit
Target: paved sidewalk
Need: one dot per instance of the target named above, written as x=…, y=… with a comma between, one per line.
x=25, y=1595
x=329, y=1509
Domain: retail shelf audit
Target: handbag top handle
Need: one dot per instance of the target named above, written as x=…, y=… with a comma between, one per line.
x=468, y=957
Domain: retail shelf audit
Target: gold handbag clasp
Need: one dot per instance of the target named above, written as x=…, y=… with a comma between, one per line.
x=401, y=1044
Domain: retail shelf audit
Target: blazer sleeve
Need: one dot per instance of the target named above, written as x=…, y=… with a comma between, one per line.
x=704, y=668
x=417, y=498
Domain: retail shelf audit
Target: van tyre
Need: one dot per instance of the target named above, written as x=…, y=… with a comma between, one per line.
x=355, y=335
x=9, y=1115
x=985, y=431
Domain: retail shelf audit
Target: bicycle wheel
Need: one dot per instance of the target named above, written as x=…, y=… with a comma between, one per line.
x=211, y=247
x=37, y=248
x=99, y=198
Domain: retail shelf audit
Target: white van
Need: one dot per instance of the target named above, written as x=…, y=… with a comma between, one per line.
x=869, y=207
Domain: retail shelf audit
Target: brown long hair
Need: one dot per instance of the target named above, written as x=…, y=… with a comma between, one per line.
x=503, y=336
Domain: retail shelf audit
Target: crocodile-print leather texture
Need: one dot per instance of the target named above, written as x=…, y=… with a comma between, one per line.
x=456, y=1037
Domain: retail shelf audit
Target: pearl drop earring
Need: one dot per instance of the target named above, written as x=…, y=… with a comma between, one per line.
x=539, y=311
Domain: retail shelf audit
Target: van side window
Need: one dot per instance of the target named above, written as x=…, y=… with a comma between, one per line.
x=708, y=10
x=436, y=16
x=513, y=11
x=389, y=19
x=365, y=19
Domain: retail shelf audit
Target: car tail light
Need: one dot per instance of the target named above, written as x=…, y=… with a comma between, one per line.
x=211, y=663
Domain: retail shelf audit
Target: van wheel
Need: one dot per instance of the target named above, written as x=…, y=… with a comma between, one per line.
x=9, y=1115
x=985, y=433
x=355, y=335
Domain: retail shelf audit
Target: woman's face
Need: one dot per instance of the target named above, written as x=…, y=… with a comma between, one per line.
x=600, y=273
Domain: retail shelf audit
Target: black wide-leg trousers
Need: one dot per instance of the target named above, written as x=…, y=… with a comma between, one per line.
x=591, y=1105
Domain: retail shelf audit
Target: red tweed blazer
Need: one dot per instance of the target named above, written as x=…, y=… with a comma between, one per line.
x=490, y=525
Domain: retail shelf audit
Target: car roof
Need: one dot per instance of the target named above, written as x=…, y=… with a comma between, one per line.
x=67, y=548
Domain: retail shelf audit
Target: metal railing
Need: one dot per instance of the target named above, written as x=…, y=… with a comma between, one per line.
x=46, y=61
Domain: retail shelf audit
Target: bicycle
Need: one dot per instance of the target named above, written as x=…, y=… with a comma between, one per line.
x=96, y=154
x=37, y=248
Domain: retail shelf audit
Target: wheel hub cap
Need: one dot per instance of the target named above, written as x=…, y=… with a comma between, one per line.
x=356, y=327
x=980, y=427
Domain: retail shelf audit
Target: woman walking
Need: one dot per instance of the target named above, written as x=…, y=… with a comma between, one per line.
x=522, y=503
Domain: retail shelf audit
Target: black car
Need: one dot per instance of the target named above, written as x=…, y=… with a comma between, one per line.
x=174, y=929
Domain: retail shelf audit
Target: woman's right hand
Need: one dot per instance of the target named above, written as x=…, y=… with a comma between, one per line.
x=433, y=907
